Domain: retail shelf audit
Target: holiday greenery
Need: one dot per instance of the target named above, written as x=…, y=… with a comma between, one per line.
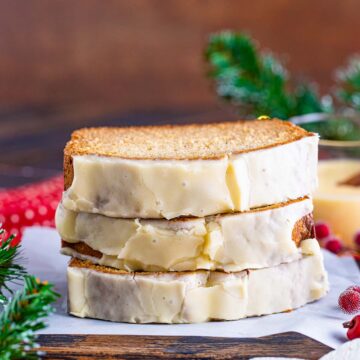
x=257, y=83
x=348, y=81
x=23, y=316
x=24, y=313
x=10, y=270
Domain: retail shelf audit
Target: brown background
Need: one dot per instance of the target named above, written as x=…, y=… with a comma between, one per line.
x=143, y=54
x=65, y=64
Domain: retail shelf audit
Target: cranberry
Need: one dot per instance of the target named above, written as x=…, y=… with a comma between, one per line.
x=334, y=245
x=354, y=288
x=353, y=327
x=349, y=301
x=322, y=230
x=357, y=239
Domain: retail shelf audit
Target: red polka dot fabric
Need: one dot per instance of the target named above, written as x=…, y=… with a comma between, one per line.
x=30, y=205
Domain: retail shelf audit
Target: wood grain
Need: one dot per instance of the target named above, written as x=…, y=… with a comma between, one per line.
x=83, y=347
x=147, y=54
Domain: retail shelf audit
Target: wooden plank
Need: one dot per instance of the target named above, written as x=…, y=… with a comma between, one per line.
x=82, y=347
x=148, y=53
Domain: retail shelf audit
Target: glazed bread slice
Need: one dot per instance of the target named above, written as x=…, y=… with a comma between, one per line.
x=190, y=170
x=190, y=297
x=233, y=242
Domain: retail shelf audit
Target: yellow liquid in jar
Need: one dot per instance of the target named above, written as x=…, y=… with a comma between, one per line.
x=338, y=204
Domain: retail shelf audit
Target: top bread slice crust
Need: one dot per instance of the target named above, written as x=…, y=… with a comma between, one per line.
x=183, y=142
x=179, y=142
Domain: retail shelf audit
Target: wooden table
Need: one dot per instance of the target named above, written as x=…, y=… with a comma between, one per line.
x=31, y=143
x=288, y=344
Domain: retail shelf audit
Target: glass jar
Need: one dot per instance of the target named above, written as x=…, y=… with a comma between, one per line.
x=337, y=199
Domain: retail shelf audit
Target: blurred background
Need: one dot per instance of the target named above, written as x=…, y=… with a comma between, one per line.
x=68, y=64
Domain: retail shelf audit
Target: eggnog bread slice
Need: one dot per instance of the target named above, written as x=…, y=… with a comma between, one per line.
x=188, y=170
x=231, y=242
x=188, y=297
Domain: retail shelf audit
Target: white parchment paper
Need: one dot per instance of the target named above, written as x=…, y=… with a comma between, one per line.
x=321, y=320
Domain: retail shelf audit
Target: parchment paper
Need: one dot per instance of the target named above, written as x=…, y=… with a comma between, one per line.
x=321, y=320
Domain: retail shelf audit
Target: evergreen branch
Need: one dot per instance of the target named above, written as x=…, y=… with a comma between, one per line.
x=10, y=270
x=256, y=83
x=348, y=83
x=22, y=317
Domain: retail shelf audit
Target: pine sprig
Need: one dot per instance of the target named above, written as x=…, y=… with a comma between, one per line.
x=22, y=317
x=348, y=83
x=256, y=83
x=10, y=270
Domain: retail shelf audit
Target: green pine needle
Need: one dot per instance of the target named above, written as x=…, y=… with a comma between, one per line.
x=10, y=270
x=24, y=314
x=22, y=317
x=348, y=81
x=256, y=83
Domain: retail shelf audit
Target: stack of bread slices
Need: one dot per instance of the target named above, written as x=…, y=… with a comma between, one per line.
x=182, y=224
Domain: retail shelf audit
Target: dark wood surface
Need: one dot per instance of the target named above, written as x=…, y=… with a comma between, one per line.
x=83, y=347
x=147, y=54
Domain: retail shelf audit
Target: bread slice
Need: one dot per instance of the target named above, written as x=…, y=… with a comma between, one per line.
x=255, y=239
x=189, y=170
x=189, y=297
x=183, y=142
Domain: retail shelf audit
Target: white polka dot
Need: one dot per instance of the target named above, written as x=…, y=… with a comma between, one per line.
x=14, y=218
x=46, y=223
x=2, y=219
x=42, y=210
x=29, y=214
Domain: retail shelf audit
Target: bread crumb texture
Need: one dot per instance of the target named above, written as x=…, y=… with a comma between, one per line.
x=183, y=142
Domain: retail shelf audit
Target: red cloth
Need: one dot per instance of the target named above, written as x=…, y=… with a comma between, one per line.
x=30, y=205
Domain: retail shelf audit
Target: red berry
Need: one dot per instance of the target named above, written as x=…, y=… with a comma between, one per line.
x=357, y=239
x=322, y=230
x=353, y=327
x=334, y=245
x=349, y=301
x=354, y=288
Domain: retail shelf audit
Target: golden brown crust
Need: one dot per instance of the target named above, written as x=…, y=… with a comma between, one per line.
x=82, y=248
x=179, y=142
x=303, y=229
x=68, y=171
x=253, y=210
x=74, y=262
